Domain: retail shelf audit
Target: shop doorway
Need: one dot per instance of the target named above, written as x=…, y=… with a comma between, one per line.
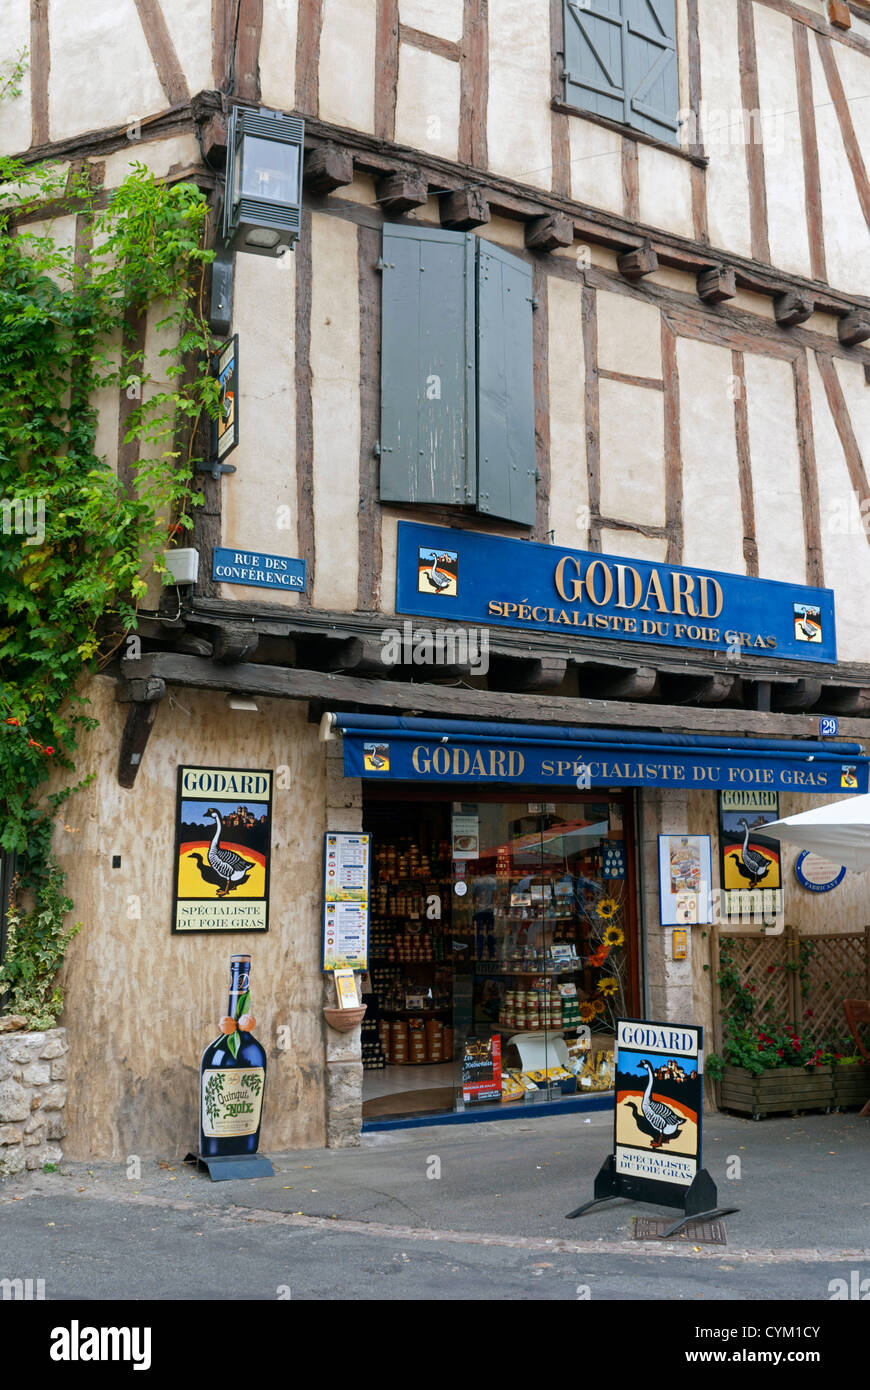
x=503, y=947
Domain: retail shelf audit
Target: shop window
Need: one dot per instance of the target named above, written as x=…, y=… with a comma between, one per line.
x=503, y=949
x=457, y=401
x=621, y=62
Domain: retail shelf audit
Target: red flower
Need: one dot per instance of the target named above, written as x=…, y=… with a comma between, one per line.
x=779, y=1052
x=808, y=1013
x=770, y=969
x=48, y=751
x=31, y=743
x=11, y=721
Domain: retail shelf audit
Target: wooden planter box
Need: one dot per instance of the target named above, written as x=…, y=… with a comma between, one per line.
x=851, y=1084
x=777, y=1092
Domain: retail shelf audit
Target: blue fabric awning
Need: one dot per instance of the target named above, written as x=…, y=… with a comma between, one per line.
x=391, y=748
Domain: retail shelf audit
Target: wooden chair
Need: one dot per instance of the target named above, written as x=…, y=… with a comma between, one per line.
x=858, y=1011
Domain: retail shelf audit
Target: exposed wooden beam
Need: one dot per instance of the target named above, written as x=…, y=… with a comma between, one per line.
x=309, y=26
x=387, y=68
x=673, y=445
x=717, y=284
x=809, y=474
x=635, y=264
x=847, y=127
x=464, y=209
x=810, y=148
x=474, y=84
x=304, y=411
x=234, y=644
x=546, y=233
x=614, y=683
x=339, y=691
x=328, y=166
x=744, y=463
x=696, y=690
x=754, y=146
x=630, y=180
x=430, y=43
x=803, y=694
x=141, y=715
x=40, y=68
x=813, y=20
x=370, y=528
x=170, y=73
x=402, y=191
x=791, y=308
x=854, y=329
x=542, y=673
x=843, y=423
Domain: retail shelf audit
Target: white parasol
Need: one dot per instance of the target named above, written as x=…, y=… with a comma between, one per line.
x=840, y=832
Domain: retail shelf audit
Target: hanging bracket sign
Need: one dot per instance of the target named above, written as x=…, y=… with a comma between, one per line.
x=225, y=427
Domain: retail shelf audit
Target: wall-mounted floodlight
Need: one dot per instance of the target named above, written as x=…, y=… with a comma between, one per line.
x=263, y=200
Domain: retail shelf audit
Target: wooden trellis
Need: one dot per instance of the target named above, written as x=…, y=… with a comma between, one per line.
x=824, y=970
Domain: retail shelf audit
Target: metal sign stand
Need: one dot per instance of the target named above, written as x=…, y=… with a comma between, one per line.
x=698, y=1201
x=232, y=1166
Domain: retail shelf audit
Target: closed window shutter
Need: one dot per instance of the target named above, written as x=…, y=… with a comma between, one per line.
x=651, y=83
x=505, y=392
x=594, y=58
x=427, y=366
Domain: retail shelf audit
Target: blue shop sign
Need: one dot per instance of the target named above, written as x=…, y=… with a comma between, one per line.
x=391, y=748
x=258, y=570
x=463, y=576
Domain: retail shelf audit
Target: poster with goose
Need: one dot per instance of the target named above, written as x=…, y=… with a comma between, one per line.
x=659, y=1102
x=750, y=860
x=223, y=834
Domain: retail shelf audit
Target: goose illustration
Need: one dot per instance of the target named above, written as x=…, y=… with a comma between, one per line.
x=438, y=580
x=643, y=1125
x=208, y=875
x=231, y=868
x=810, y=632
x=750, y=864
x=665, y=1121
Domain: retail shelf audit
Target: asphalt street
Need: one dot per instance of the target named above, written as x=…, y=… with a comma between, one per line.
x=447, y=1213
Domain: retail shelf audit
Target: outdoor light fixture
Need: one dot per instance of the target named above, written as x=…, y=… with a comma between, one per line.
x=263, y=198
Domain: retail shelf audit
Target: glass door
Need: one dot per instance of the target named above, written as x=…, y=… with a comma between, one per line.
x=541, y=945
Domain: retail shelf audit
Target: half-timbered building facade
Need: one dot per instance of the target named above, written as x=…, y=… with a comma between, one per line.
x=588, y=278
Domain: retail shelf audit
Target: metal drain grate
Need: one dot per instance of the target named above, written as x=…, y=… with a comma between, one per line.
x=696, y=1233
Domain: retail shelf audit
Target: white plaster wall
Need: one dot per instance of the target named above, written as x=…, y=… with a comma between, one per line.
x=776, y=481
x=518, y=111
x=335, y=368
x=847, y=243
x=347, y=63
x=854, y=245
x=846, y=557
x=389, y=553
x=783, y=153
x=633, y=545
x=632, y=453
x=568, y=477
x=15, y=126
x=278, y=56
x=189, y=24
x=727, y=179
x=177, y=151
x=427, y=102
x=665, y=190
x=259, y=511
x=629, y=335
x=596, y=164
x=102, y=73
x=712, y=519
x=441, y=17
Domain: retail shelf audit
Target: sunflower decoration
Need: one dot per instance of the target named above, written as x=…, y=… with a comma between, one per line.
x=607, y=908
x=599, y=956
x=598, y=1006
x=588, y=1012
x=607, y=985
x=613, y=936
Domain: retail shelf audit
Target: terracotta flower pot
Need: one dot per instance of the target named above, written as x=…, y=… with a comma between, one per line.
x=344, y=1020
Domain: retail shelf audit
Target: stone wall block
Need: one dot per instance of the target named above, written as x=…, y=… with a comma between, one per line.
x=12, y=1161
x=10, y=1134
x=54, y=1097
x=46, y=1153
x=36, y=1074
x=56, y=1046
x=14, y=1102
x=59, y=1069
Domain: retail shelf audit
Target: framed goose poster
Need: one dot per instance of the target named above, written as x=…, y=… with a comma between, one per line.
x=751, y=872
x=223, y=835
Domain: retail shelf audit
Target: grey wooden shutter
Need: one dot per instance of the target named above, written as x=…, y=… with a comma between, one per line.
x=505, y=393
x=650, y=67
x=594, y=58
x=427, y=366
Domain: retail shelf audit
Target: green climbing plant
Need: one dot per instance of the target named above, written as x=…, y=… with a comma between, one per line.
x=78, y=544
